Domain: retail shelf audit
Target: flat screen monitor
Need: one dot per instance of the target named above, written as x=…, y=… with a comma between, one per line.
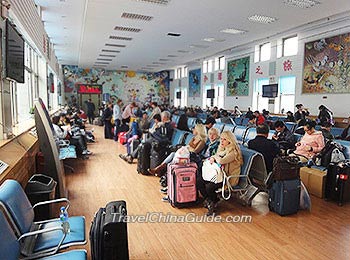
x=14, y=45
x=210, y=93
x=178, y=95
x=270, y=91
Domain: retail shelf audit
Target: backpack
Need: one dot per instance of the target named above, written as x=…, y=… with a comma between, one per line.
x=332, y=152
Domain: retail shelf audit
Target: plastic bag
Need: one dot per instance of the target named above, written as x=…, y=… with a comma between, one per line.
x=305, y=201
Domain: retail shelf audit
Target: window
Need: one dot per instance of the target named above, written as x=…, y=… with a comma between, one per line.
x=259, y=102
x=176, y=100
x=182, y=102
x=205, y=66
x=179, y=73
x=257, y=53
x=206, y=101
x=175, y=74
x=265, y=51
x=210, y=66
x=219, y=96
x=287, y=94
x=216, y=64
x=222, y=62
x=185, y=72
x=290, y=46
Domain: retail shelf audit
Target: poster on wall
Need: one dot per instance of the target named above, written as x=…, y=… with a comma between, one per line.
x=141, y=87
x=194, y=84
x=238, y=77
x=327, y=65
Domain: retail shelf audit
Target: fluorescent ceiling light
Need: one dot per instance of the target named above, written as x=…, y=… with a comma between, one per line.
x=213, y=40
x=199, y=46
x=302, y=3
x=159, y=2
x=233, y=31
x=262, y=19
x=137, y=17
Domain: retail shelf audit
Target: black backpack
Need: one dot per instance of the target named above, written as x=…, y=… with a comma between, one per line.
x=332, y=152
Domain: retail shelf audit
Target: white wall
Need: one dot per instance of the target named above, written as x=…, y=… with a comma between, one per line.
x=338, y=103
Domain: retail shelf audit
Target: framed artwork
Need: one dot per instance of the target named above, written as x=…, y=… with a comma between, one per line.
x=238, y=77
x=194, y=84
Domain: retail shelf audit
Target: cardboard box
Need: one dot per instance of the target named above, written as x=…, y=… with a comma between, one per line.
x=314, y=180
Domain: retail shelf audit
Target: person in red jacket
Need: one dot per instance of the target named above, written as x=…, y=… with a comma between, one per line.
x=260, y=119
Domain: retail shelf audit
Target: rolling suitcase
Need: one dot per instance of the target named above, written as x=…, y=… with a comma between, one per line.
x=132, y=146
x=284, y=197
x=143, y=161
x=158, y=154
x=108, y=233
x=182, y=188
x=337, y=183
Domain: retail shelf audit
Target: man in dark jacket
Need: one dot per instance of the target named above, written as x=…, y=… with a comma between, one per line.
x=90, y=111
x=283, y=136
x=266, y=147
x=301, y=114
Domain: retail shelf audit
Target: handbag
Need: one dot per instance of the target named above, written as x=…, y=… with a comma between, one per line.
x=286, y=168
x=212, y=172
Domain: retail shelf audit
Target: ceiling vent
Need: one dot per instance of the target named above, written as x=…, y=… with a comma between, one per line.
x=107, y=55
x=182, y=51
x=115, y=51
x=158, y=63
x=158, y=2
x=124, y=67
x=101, y=62
x=104, y=59
x=140, y=17
x=262, y=19
x=233, y=31
x=127, y=29
x=302, y=3
x=164, y=59
x=115, y=45
x=172, y=56
x=120, y=38
x=199, y=46
x=171, y=34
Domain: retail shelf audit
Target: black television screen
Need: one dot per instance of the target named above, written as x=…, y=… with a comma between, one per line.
x=178, y=95
x=210, y=93
x=14, y=54
x=270, y=91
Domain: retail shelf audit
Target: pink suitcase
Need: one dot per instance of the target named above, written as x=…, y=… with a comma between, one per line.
x=182, y=188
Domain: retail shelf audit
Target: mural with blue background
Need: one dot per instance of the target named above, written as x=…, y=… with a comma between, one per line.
x=129, y=86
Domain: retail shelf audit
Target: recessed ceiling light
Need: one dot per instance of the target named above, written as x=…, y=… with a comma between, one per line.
x=160, y=2
x=172, y=56
x=174, y=34
x=182, y=51
x=107, y=55
x=262, y=19
x=104, y=50
x=301, y=3
x=233, y=31
x=137, y=16
x=101, y=62
x=127, y=29
x=164, y=59
x=120, y=38
x=213, y=40
x=115, y=45
x=199, y=46
x=104, y=59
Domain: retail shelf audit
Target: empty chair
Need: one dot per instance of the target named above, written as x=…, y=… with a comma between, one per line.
x=178, y=137
x=239, y=132
x=188, y=138
x=238, y=120
x=191, y=122
x=10, y=246
x=336, y=131
x=229, y=128
x=249, y=135
x=291, y=126
x=15, y=203
x=175, y=118
x=219, y=126
x=245, y=121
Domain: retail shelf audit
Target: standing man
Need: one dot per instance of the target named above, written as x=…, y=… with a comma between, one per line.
x=90, y=111
x=107, y=116
x=117, y=115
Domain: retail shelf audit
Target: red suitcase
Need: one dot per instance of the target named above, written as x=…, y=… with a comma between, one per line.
x=182, y=188
x=122, y=137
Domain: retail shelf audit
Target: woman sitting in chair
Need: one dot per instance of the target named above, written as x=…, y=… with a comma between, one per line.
x=196, y=145
x=230, y=157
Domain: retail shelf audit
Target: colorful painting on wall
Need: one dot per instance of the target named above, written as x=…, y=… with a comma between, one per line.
x=327, y=65
x=194, y=84
x=238, y=77
x=126, y=85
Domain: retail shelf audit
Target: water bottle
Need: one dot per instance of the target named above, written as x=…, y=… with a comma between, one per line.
x=64, y=220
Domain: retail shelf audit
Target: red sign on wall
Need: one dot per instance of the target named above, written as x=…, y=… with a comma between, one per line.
x=89, y=89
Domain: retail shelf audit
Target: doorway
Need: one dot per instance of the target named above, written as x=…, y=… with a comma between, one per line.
x=95, y=98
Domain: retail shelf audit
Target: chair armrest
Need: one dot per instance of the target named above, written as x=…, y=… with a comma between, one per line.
x=239, y=176
x=52, y=201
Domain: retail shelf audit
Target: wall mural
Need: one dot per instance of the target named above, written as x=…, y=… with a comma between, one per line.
x=126, y=85
x=327, y=65
x=194, y=84
x=238, y=77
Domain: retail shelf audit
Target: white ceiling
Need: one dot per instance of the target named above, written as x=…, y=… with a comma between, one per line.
x=80, y=29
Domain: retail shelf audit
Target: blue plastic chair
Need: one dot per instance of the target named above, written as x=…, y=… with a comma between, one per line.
x=178, y=137
x=10, y=246
x=249, y=135
x=219, y=126
x=336, y=131
x=191, y=122
x=291, y=126
x=239, y=132
x=245, y=121
x=20, y=212
x=188, y=138
x=238, y=120
x=230, y=128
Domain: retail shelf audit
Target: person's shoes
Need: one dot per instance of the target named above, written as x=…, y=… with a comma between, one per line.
x=129, y=159
x=165, y=199
x=157, y=171
x=164, y=190
x=86, y=152
x=205, y=203
x=210, y=209
x=122, y=156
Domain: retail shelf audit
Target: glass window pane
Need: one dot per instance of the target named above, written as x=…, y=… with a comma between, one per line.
x=287, y=85
x=257, y=53
x=290, y=46
x=205, y=66
x=23, y=98
x=222, y=62
x=265, y=52
x=216, y=64
x=210, y=65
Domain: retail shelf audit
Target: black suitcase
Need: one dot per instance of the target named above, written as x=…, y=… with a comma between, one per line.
x=337, y=183
x=158, y=154
x=108, y=233
x=143, y=160
x=284, y=197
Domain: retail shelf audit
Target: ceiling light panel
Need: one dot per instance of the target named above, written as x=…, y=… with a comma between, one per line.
x=199, y=46
x=114, y=51
x=159, y=2
x=120, y=38
x=172, y=56
x=213, y=40
x=302, y=3
x=107, y=55
x=101, y=62
x=115, y=45
x=262, y=19
x=164, y=59
x=140, y=17
x=127, y=29
x=233, y=31
x=104, y=59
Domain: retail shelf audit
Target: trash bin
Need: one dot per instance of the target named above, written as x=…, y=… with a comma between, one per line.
x=40, y=188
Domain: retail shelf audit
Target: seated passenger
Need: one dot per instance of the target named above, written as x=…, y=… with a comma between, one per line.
x=290, y=117
x=230, y=157
x=283, y=136
x=311, y=143
x=251, y=121
x=326, y=131
x=345, y=135
x=196, y=145
x=212, y=143
x=268, y=148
